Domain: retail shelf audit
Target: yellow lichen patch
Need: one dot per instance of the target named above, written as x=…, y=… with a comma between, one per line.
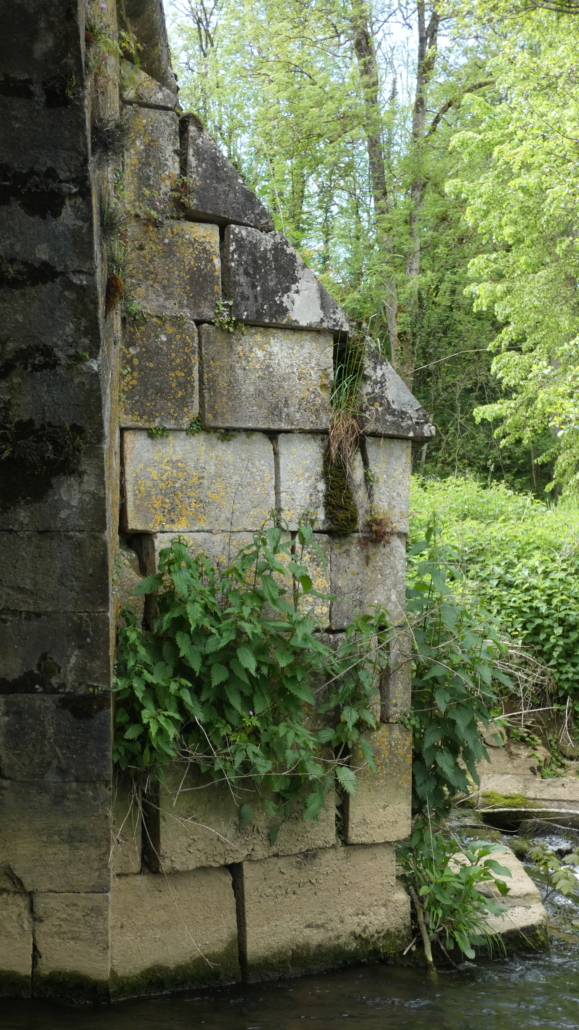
x=159, y=375
x=175, y=268
x=182, y=482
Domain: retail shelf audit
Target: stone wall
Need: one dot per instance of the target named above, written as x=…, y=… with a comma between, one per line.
x=92, y=903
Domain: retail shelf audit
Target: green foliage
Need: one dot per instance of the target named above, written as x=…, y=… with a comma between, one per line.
x=224, y=318
x=195, y=426
x=157, y=432
x=520, y=560
x=445, y=878
x=455, y=674
x=559, y=873
x=231, y=674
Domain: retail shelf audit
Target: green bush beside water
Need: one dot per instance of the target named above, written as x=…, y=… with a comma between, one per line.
x=520, y=559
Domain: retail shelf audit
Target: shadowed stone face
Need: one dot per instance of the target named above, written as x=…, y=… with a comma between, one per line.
x=269, y=284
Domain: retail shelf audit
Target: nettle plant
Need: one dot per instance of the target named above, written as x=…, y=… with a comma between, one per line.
x=235, y=678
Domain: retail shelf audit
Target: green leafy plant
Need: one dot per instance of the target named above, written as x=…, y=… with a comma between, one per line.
x=194, y=426
x=234, y=678
x=559, y=873
x=157, y=432
x=444, y=882
x=224, y=318
x=455, y=674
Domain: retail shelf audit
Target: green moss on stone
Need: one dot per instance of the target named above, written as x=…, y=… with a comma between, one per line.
x=492, y=799
x=339, y=503
x=201, y=972
x=70, y=987
x=14, y=985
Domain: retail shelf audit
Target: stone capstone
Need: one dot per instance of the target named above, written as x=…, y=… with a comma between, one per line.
x=265, y=378
x=183, y=482
x=173, y=931
x=268, y=283
x=175, y=269
x=320, y=909
x=160, y=373
x=380, y=810
x=214, y=188
x=389, y=408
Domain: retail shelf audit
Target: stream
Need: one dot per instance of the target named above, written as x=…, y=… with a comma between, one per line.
x=533, y=990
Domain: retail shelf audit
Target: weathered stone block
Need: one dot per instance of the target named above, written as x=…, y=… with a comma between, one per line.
x=54, y=490
x=126, y=577
x=390, y=409
x=302, y=485
x=215, y=189
x=199, y=824
x=55, y=738
x=151, y=160
x=380, y=810
x=127, y=826
x=365, y=574
x=15, y=944
x=54, y=653
x=139, y=88
x=147, y=21
x=302, y=482
x=183, y=482
x=54, y=572
x=175, y=269
x=72, y=938
x=268, y=283
x=173, y=931
x=390, y=465
x=396, y=685
x=322, y=909
x=266, y=378
x=159, y=383
x=317, y=558
x=60, y=242
x=55, y=837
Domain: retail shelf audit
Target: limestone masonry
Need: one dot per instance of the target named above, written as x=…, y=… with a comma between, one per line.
x=94, y=905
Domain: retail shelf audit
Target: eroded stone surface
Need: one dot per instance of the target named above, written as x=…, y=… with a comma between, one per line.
x=55, y=738
x=199, y=824
x=54, y=572
x=268, y=283
x=396, y=685
x=215, y=190
x=175, y=269
x=15, y=943
x=266, y=378
x=323, y=908
x=139, y=88
x=54, y=653
x=160, y=384
x=364, y=574
x=55, y=836
x=389, y=463
x=52, y=495
x=380, y=810
x=72, y=937
x=173, y=931
x=151, y=161
x=183, y=482
x=390, y=408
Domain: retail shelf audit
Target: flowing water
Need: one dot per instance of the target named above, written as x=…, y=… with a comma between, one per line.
x=540, y=990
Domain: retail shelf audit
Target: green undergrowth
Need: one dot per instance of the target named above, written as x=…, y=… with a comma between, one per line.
x=520, y=560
